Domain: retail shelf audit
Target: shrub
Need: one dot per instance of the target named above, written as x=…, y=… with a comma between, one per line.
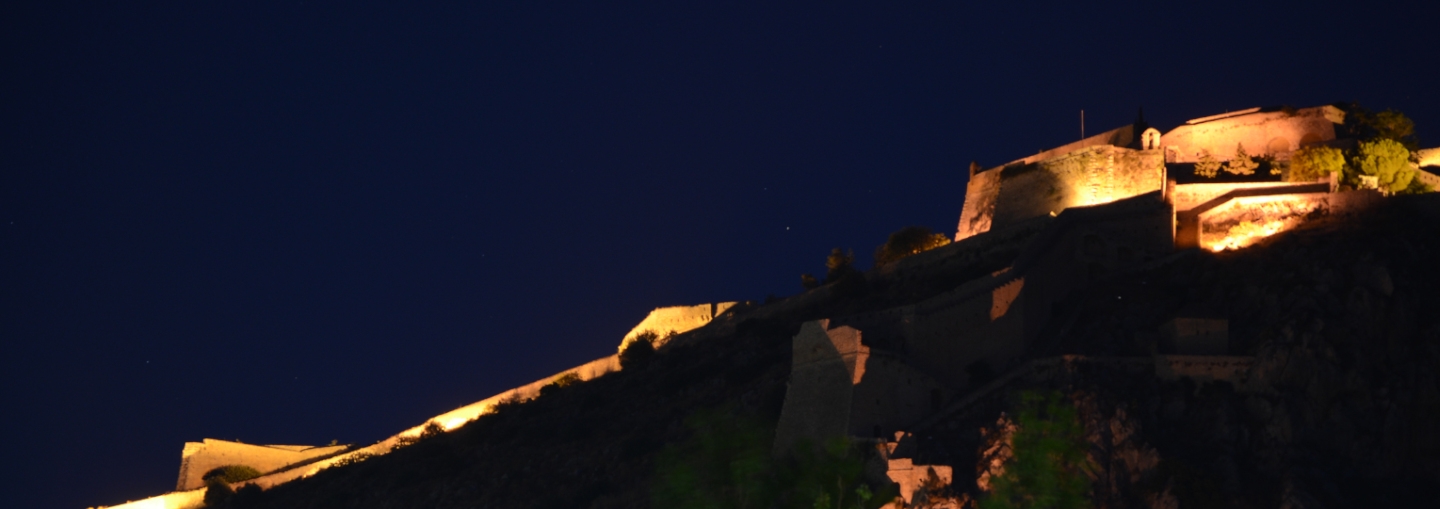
x=354, y=458
x=231, y=473
x=908, y=241
x=1314, y=163
x=561, y=382
x=508, y=403
x=809, y=282
x=247, y=496
x=1385, y=159
x=1207, y=166
x=1048, y=468
x=1241, y=163
x=1417, y=187
x=838, y=264
x=217, y=492
x=639, y=351
x=726, y=463
x=405, y=441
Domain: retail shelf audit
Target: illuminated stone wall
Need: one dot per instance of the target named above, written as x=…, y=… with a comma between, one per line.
x=841, y=387
x=200, y=457
x=1242, y=217
x=1428, y=176
x=1088, y=176
x=822, y=381
x=193, y=499
x=1275, y=133
x=677, y=319
x=979, y=208
x=1428, y=157
x=1188, y=196
x=1105, y=167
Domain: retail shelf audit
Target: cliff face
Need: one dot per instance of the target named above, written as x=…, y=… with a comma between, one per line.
x=1341, y=406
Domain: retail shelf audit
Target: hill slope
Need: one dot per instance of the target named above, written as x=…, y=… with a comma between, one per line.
x=1340, y=317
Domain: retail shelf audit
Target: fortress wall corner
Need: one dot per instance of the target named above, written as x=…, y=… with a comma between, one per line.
x=199, y=458
x=979, y=208
x=1092, y=176
x=891, y=396
x=949, y=336
x=818, y=396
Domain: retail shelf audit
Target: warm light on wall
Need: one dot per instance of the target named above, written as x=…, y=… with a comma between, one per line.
x=1253, y=218
x=1243, y=235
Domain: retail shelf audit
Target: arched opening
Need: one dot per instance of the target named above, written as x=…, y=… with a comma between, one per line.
x=1277, y=146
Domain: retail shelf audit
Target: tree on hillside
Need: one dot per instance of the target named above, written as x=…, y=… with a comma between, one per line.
x=1313, y=163
x=1385, y=159
x=838, y=264
x=639, y=351
x=1241, y=163
x=726, y=463
x=1386, y=125
x=1050, y=458
x=908, y=241
x=1206, y=165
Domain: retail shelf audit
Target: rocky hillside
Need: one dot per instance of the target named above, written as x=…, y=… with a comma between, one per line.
x=1342, y=318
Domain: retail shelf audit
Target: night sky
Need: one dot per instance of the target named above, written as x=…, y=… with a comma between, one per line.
x=298, y=223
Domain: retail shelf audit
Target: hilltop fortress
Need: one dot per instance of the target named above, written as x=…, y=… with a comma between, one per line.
x=1053, y=223
x=1070, y=217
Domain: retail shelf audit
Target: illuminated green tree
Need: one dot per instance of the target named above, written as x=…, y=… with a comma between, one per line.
x=1385, y=159
x=1241, y=163
x=1207, y=166
x=1050, y=460
x=1313, y=163
x=726, y=463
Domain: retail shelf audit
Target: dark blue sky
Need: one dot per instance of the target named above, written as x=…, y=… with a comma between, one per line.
x=297, y=223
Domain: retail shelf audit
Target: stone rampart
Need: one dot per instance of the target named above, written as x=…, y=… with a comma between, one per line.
x=1272, y=133
x=1427, y=157
x=979, y=208
x=200, y=457
x=1124, y=136
x=191, y=499
x=1269, y=210
x=1428, y=175
x=1189, y=196
x=1088, y=176
x=839, y=386
x=675, y=319
x=821, y=388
